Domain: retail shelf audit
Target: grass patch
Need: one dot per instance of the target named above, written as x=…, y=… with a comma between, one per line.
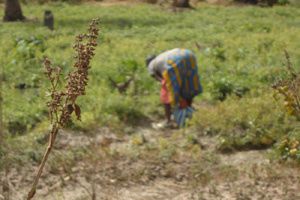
x=252, y=122
x=239, y=51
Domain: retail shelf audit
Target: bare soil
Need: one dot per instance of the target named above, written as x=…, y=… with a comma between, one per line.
x=241, y=175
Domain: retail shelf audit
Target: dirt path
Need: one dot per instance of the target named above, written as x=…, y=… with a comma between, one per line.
x=241, y=175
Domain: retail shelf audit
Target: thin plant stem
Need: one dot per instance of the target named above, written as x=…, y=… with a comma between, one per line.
x=52, y=137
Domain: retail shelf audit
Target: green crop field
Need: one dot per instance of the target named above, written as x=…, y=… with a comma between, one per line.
x=240, y=54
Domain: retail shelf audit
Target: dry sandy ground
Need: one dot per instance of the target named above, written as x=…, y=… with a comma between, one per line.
x=241, y=176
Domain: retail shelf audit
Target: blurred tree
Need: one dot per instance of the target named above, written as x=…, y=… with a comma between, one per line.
x=13, y=11
x=49, y=19
x=182, y=3
x=261, y=2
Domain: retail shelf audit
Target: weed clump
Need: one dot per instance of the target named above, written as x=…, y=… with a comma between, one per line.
x=289, y=88
x=252, y=123
x=224, y=87
x=289, y=145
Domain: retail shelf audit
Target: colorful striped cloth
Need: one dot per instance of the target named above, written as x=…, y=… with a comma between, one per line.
x=182, y=76
x=182, y=81
x=180, y=115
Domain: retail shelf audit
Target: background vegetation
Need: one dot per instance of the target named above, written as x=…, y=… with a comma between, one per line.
x=239, y=51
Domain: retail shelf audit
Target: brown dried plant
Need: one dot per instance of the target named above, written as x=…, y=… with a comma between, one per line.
x=289, y=88
x=63, y=102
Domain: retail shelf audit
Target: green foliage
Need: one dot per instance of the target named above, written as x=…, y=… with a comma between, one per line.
x=126, y=109
x=239, y=54
x=25, y=57
x=289, y=146
x=222, y=87
x=217, y=51
x=283, y=2
x=247, y=123
x=29, y=48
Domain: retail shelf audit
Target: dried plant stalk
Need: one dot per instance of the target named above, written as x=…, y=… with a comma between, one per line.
x=290, y=89
x=63, y=103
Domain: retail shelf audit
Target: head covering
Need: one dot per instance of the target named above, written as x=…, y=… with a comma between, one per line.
x=149, y=59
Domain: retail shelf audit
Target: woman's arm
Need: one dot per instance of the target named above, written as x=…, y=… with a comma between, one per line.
x=157, y=76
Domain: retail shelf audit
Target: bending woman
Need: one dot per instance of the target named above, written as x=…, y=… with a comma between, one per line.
x=177, y=71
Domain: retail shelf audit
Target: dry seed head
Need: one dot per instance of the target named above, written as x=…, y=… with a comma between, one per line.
x=63, y=103
x=77, y=80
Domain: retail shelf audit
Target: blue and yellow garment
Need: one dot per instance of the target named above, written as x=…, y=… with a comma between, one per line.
x=183, y=81
x=182, y=77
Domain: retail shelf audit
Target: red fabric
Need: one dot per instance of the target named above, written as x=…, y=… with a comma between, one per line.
x=164, y=93
x=183, y=104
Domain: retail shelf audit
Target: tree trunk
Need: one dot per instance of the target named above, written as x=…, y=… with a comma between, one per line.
x=259, y=2
x=182, y=3
x=13, y=11
x=249, y=1
x=49, y=19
